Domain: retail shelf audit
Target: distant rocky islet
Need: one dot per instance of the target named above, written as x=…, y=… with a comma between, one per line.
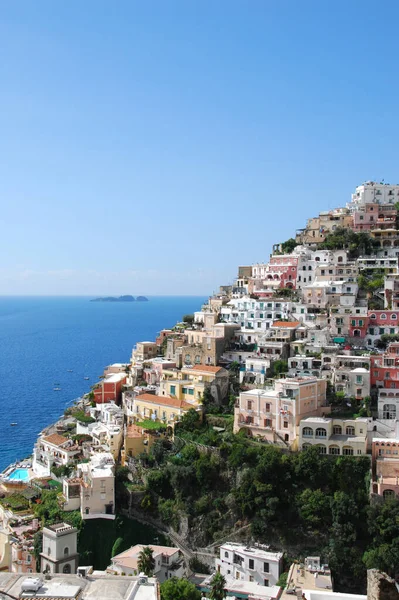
x=120, y=299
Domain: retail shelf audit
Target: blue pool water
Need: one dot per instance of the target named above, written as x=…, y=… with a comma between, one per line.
x=48, y=342
x=19, y=475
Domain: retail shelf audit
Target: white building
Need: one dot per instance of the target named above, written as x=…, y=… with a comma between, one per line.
x=97, y=487
x=59, y=554
x=254, y=564
x=169, y=562
x=372, y=192
x=255, y=315
x=108, y=436
x=52, y=450
x=349, y=437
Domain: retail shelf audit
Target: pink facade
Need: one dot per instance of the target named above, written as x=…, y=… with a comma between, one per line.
x=383, y=318
x=385, y=368
x=385, y=467
x=358, y=326
x=283, y=269
x=374, y=216
x=275, y=413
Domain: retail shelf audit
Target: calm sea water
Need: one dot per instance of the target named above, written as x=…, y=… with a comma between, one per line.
x=42, y=338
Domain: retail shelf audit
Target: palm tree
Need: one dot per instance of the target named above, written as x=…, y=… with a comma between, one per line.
x=146, y=562
x=217, y=587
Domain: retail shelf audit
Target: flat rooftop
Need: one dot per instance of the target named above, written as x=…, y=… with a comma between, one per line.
x=98, y=586
x=250, y=551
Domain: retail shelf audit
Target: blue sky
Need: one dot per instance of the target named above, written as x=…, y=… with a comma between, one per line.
x=151, y=147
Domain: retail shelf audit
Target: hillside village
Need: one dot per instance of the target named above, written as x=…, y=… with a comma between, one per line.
x=231, y=427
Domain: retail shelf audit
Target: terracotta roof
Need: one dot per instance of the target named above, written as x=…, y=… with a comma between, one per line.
x=206, y=368
x=134, y=432
x=288, y=324
x=164, y=400
x=55, y=439
x=129, y=558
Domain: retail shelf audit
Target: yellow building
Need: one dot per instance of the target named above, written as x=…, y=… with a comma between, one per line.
x=137, y=440
x=162, y=408
x=189, y=383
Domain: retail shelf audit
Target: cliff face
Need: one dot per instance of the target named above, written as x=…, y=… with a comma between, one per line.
x=380, y=586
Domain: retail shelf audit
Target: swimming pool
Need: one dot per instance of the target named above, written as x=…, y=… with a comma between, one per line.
x=19, y=475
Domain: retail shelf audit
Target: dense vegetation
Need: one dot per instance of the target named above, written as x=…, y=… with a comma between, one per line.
x=357, y=244
x=304, y=503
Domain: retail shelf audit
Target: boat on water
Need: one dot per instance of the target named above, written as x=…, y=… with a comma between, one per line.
x=13, y=424
x=69, y=370
x=86, y=378
x=57, y=389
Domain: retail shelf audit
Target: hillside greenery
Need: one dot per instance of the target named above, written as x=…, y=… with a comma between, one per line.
x=357, y=244
x=304, y=502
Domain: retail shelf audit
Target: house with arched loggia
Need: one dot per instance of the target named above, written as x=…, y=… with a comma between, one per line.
x=385, y=467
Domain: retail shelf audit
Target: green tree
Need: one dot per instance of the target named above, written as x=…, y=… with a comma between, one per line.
x=288, y=246
x=218, y=584
x=189, y=319
x=117, y=547
x=190, y=420
x=179, y=589
x=314, y=508
x=146, y=562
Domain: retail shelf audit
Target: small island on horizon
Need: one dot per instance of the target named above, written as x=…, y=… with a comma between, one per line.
x=120, y=299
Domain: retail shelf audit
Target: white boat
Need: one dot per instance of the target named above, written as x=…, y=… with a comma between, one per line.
x=12, y=424
x=86, y=378
x=57, y=389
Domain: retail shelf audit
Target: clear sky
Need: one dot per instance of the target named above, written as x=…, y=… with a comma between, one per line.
x=151, y=147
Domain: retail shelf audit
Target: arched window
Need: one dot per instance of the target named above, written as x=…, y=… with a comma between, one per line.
x=389, y=411
x=306, y=446
x=187, y=360
x=307, y=432
x=226, y=554
x=340, y=259
x=66, y=551
x=350, y=430
x=373, y=316
x=383, y=317
x=347, y=451
x=333, y=450
x=388, y=494
x=337, y=430
x=66, y=569
x=356, y=332
x=322, y=449
x=321, y=432
x=197, y=359
x=394, y=316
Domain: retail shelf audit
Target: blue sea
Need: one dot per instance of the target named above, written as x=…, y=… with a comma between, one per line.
x=42, y=338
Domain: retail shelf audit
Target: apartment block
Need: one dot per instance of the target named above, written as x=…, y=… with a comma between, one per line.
x=348, y=437
x=97, y=487
x=249, y=563
x=274, y=413
x=385, y=467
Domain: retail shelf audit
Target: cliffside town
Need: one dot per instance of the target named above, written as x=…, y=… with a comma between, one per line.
x=297, y=360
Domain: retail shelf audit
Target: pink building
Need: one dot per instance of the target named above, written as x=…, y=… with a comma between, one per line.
x=283, y=269
x=385, y=368
x=385, y=467
x=374, y=216
x=275, y=413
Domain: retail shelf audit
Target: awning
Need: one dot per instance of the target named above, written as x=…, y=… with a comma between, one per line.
x=339, y=340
